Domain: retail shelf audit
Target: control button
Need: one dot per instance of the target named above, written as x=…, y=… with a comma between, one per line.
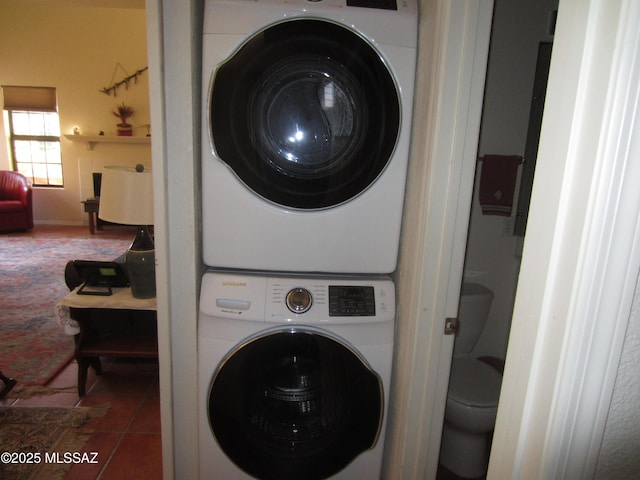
x=299, y=300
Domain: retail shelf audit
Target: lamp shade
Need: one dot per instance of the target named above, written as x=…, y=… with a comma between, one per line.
x=126, y=195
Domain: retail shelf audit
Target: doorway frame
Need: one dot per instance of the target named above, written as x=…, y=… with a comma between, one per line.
x=452, y=62
x=410, y=453
x=581, y=253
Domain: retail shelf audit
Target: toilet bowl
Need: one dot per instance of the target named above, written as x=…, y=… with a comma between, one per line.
x=474, y=389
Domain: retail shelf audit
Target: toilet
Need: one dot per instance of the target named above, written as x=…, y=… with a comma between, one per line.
x=474, y=389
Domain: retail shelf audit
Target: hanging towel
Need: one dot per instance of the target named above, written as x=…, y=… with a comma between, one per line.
x=498, y=183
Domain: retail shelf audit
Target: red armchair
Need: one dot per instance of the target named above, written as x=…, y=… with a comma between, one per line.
x=16, y=204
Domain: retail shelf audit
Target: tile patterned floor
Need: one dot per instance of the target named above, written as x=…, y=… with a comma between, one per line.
x=127, y=438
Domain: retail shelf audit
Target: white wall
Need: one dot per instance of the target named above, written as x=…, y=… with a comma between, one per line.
x=492, y=254
x=619, y=454
x=76, y=50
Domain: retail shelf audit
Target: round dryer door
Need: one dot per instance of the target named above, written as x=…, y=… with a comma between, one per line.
x=293, y=404
x=306, y=113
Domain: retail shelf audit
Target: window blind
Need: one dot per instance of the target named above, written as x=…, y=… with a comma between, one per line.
x=30, y=99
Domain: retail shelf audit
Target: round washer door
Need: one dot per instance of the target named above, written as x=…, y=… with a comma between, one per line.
x=306, y=113
x=295, y=403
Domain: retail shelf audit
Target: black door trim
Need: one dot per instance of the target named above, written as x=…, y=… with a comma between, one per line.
x=295, y=403
x=268, y=86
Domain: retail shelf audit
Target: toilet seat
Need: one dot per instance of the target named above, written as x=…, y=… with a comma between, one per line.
x=474, y=383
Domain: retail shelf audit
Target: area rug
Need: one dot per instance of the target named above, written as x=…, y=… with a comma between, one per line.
x=42, y=436
x=33, y=346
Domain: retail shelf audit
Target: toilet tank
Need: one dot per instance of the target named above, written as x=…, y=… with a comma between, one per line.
x=475, y=301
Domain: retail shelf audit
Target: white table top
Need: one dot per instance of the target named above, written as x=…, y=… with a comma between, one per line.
x=120, y=299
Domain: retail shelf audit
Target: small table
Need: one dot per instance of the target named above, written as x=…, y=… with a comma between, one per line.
x=131, y=322
x=92, y=207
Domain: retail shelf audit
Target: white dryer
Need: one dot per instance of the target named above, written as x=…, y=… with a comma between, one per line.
x=293, y=376
x=307, y=109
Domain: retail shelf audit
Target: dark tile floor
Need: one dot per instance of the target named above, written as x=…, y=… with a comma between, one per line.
x=127, y=438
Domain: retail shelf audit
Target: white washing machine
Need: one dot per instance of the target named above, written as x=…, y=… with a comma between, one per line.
x=307, y=109
x=293, y=376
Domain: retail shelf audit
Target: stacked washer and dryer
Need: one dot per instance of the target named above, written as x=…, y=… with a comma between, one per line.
x=306, y=122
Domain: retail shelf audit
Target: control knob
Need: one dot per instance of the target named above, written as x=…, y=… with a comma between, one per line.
x=299, y=300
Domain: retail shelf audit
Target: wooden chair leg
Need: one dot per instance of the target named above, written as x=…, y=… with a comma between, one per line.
x=97, y=366
x=83, y=366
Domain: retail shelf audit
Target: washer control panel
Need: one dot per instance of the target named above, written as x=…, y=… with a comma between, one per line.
x=297, y=299
x=352, y=300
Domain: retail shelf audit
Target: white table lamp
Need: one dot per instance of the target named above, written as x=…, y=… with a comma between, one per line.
x=126, y=197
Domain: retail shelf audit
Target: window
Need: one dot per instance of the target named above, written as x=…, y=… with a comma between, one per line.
x=34, y=129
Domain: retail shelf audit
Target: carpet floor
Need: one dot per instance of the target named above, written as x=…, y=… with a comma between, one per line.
x=39, y=438
x=33, y=347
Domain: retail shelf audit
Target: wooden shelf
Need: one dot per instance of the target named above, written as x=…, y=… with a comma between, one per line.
x=112, y=332
x=92, y=140
x=119, y=346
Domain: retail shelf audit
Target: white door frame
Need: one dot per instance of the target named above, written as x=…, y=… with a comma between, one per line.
x=582, y=250
x=452, y=61
x=174, y=38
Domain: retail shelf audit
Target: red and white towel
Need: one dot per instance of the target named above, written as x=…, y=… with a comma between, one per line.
x=498, y=184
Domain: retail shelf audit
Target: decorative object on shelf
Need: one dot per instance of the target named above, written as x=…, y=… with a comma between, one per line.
x=123, y=112
x=147, y=127
x=126, y=197
x=126, y=81
x=76, y=130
